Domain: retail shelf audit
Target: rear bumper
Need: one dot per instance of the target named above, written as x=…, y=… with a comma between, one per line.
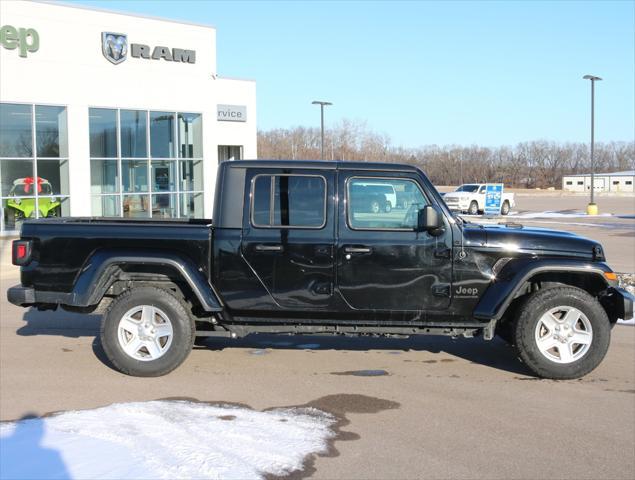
x=21, y=296
x=25, y=296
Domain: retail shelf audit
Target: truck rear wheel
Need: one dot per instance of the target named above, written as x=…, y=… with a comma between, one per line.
x=505, y=208
x=147, y=332
x=561, y=333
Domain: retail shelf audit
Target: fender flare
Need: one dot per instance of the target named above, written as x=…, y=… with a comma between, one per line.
x=511, y=279
x=94, y=278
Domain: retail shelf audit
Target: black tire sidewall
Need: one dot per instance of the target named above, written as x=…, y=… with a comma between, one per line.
x=472, y=211
x=182, y=326
x=505, y=209
x=530, y=313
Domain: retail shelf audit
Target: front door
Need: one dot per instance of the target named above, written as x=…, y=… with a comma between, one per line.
x=383, y=262
x=288, y=237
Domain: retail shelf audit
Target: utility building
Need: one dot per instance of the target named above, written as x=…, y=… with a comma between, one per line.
x=603, y=182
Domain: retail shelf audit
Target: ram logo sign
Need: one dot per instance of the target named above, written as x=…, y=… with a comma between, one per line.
x=114, y=46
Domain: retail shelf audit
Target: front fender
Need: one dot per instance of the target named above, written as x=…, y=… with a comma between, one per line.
x=516, y=273
x=96, y=275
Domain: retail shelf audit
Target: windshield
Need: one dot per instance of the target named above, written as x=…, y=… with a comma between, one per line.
x=26, y=188
x=467, y=188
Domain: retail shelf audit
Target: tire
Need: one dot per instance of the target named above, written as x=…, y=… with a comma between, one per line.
x=406, y=204
x=473, y=210
x=122, y=325
x=557, y=317
x=388, y=207
x=505, y=208
x=375, y=207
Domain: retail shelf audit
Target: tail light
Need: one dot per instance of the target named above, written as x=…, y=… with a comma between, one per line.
x=21, y=252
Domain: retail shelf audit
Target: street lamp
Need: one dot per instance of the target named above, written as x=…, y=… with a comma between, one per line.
x=592, y=208
x=322, y=105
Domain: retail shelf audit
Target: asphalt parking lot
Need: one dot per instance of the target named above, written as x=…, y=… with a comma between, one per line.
x=427, y=407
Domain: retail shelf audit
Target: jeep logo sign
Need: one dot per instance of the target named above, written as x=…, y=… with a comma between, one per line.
x=115, y=48
x=26, y=40
x=231, y=113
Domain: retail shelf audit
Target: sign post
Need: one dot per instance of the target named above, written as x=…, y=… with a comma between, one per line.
x=493, y=198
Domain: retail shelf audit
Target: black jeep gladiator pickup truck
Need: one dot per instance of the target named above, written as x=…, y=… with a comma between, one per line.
x=295, y=249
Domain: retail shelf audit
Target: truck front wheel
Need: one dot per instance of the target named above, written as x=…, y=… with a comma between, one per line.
x=147, y=332
x=473, y=210
x=561, y=333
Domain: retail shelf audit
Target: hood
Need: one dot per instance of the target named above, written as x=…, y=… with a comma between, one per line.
x=516, y=238
x=456, y=195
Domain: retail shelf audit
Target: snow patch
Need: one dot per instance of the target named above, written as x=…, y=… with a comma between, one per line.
x=163, y=439
x=557, y=214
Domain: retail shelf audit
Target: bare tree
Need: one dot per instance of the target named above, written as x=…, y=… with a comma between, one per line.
x=531, y=164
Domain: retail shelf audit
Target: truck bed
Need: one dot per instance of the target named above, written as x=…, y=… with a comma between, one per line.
x=64, y=246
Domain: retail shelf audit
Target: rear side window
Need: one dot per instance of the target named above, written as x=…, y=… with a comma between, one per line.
x=288, y=201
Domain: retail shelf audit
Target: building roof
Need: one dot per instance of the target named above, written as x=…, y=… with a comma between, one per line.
x=121, y=12
x=625, y=173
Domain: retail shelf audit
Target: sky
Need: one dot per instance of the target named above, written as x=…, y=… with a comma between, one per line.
x=422, y=72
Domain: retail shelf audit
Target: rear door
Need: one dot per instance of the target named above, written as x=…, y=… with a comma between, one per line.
x=288, y=236
x=383, y=263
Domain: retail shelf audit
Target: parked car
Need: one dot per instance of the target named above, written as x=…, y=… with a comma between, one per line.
x=289, y=252
x=371, y=198
x=470, y=198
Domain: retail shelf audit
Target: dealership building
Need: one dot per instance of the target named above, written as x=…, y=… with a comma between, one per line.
x=110, y=114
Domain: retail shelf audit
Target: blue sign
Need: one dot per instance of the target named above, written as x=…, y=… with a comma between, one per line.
x=493, y=198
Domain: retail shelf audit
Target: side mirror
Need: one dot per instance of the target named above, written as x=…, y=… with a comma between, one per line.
x=430, y=219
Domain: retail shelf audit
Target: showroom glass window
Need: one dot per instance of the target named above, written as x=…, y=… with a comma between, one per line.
x=146, y=163
x=33, y=163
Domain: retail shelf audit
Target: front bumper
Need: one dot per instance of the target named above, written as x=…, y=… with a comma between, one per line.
x=618, y=303
x=459, y=205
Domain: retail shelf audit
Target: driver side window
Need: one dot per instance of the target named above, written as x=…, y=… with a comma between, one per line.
x=383, y=203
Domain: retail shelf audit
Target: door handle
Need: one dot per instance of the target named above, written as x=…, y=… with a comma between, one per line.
x=357, y=249
x=269, y=248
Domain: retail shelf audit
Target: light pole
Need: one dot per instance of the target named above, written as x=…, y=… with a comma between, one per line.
x=592, y=208
x=322, y=105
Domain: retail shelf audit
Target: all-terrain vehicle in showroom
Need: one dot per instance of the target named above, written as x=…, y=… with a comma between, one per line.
x=294, y=249
x=21, y=204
